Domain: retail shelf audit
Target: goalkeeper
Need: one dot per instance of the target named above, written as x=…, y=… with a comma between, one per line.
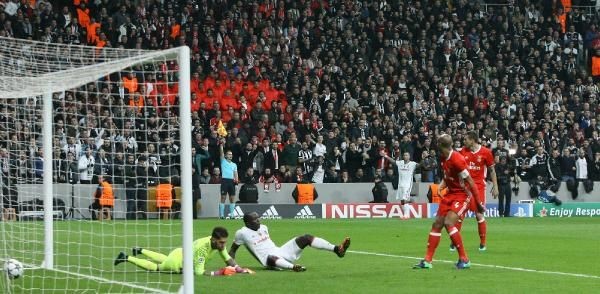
x=204, y=248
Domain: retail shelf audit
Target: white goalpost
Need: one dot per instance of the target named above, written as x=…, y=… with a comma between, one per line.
x=76, y=118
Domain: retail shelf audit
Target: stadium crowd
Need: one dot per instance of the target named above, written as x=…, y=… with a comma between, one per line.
x=314, y=90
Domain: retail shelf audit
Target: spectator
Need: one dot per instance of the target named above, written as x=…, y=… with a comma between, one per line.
x=205, y=176
x=331, y=175
x=595, y=168
x=428, y=165
x=267, y=178
x=86, y=167
x=457, y=68
x=539, y=163
x=272, y=157
x=345, y=177
x=38, y=166
x=215, y=177
x=118, y=168
x=567, y=166
x=318, y=168
x=101, y=167
x=581, y=165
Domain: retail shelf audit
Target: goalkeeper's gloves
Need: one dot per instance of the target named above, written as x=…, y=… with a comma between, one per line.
x=241, y=270
x=226, y=271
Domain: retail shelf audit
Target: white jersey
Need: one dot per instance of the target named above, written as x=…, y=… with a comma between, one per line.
x=258, y=242
x=406, y=171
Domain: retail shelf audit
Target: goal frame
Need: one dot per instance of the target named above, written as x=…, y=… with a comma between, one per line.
x=183, y=57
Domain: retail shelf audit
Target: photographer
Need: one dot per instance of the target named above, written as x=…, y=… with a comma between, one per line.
x=86, y=167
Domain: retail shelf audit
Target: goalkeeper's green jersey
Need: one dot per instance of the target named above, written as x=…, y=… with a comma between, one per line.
x=202, y=252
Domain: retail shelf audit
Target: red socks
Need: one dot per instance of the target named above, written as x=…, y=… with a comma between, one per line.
x=457, y=241
x=482, y=227
x=432, y=243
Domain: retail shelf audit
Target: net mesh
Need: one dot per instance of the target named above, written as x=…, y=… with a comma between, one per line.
x=114, y=118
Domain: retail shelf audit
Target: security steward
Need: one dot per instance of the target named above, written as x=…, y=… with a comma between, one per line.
x=380, y=191
x=104, y=198
x=165, y=193
x=434, y=195
x=305, y=193
x=248, y=192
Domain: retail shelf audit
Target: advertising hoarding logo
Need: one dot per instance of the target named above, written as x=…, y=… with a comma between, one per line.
x=238, y=213
x=585, y=209
x=279, y=211
x=271, y=213
x=374, y=210
x=516, y=210
x=305, y=213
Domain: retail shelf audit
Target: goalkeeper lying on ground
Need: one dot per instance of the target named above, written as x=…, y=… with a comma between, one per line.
x=204, y=248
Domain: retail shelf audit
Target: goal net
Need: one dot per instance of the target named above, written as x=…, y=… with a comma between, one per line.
x=74, y=119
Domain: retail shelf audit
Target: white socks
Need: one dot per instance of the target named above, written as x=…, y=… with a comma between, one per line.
x=282, y=263
x=321, y=244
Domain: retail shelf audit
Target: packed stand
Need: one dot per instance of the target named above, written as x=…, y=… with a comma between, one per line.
x=315, y=90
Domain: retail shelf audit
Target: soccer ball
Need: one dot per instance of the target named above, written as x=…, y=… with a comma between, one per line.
x=13, y=268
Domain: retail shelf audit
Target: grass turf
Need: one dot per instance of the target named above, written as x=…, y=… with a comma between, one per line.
x=552, y=245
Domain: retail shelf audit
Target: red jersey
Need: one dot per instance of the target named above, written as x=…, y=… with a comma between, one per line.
x=455, y=171
x=478, y=161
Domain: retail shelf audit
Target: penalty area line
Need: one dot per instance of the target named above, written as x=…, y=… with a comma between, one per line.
x=519, y=269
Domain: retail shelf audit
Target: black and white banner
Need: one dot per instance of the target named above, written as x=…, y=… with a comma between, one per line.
x=280, y=211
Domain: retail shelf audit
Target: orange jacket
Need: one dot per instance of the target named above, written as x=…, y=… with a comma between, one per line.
x=175, y=31
x=84, y=17
x=130, y=84
x=567, y=4
x=91, y=32
x=595, y=66
x=107, y=198
x=306, y=193
x=435, y=197
x=164, y=194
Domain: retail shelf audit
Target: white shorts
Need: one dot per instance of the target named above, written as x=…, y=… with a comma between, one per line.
x=289, y=251
x=403, y=193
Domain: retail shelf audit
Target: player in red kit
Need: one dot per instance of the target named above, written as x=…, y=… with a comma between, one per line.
x=454, y=204
x=480, y=161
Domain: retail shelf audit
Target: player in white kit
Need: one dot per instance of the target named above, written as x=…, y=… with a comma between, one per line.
x=255, y=237
x=406, y=172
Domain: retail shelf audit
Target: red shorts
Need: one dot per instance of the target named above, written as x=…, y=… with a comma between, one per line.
x=473, y=202
x=453, y=203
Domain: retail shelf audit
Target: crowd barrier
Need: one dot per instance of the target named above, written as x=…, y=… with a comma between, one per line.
x=417, y=210
x=79, y=197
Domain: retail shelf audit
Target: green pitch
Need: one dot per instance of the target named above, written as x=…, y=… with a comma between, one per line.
x=532, y=255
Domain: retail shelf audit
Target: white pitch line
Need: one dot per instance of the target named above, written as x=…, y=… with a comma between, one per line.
x=520, y=269
x=146, y=289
